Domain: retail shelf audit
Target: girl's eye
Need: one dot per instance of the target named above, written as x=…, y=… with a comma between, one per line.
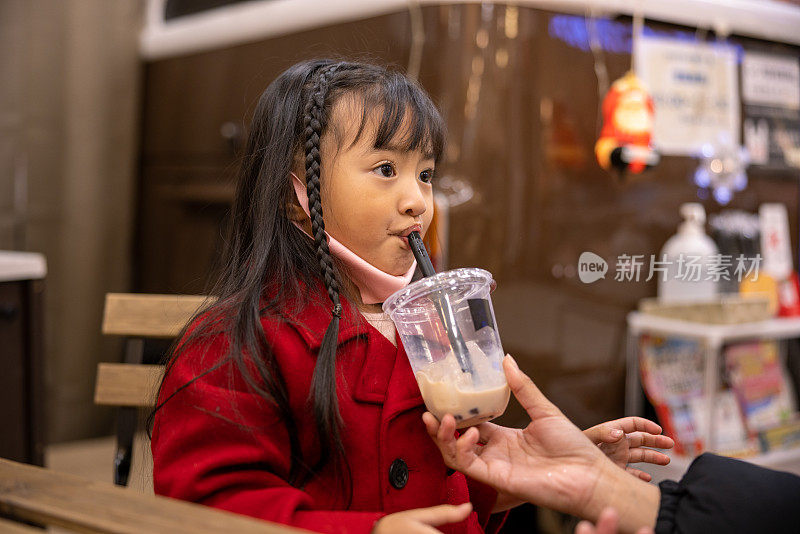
x=386, y=170
x=426, y=176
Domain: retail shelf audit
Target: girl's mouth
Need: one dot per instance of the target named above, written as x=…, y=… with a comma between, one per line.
x=404, y=240
x=403, y=234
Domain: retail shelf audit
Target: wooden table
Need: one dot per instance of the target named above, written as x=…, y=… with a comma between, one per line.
x=47, y=497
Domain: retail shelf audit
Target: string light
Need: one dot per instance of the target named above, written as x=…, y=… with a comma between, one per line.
x=722, y=169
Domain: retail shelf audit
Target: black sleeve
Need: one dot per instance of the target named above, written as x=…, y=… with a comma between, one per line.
x=719, y=494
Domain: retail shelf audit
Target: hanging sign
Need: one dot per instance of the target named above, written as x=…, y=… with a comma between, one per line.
x=771, y=80
x=771, y=97
x=695, y=90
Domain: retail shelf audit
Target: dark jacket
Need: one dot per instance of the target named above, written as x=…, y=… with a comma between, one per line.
x=729, y=496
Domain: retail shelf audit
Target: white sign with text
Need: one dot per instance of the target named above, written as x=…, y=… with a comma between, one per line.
x=695, y=90
x=771, y=80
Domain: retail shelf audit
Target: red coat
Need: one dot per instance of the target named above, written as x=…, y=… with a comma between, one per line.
x=217, y=443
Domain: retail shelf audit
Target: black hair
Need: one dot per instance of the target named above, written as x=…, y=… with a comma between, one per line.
x=266, y=255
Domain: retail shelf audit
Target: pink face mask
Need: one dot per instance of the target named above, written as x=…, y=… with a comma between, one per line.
x=374, y=285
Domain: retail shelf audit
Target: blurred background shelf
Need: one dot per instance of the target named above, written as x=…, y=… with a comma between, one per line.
x=712, y=338
x=775, y=328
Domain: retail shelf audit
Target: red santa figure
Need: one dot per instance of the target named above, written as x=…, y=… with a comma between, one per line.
x=624, y=141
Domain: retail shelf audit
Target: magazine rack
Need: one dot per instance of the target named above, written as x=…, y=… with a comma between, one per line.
x=712, y=338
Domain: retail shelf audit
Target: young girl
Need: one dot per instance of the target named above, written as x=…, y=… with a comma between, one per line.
x=291, y=398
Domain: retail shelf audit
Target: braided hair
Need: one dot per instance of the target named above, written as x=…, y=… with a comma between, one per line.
x=326, y=411
x=268, y=262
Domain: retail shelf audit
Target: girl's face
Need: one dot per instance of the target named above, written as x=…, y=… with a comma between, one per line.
x=372, y=199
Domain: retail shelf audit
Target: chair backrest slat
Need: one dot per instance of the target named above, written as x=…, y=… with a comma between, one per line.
x=155, y=316
x=125, y=384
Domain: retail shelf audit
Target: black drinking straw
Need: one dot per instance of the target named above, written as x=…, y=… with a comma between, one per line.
x=443, y=306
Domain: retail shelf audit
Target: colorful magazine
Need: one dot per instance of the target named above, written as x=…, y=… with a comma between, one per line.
x=758, y=409
x=672, y=376
x=760, y=383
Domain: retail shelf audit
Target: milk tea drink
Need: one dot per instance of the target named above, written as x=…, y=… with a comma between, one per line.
x=465, y=380
x=446, y=389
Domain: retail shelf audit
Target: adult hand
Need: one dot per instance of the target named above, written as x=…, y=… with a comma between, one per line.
x=624, y=441
x=422, y=520
x=551, y=450
x=550, y=463
x=607, y=523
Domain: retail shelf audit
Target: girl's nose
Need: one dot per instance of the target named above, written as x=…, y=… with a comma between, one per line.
x=412, y=201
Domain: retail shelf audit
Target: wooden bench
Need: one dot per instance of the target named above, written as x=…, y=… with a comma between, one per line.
x=132, y=384
x=45, y=497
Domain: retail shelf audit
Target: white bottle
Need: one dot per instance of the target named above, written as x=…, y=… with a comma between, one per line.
x=689, y=259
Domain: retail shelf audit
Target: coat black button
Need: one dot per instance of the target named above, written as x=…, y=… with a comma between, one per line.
x=398, y=474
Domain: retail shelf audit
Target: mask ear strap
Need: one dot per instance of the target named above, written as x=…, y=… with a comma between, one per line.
x=301, y=193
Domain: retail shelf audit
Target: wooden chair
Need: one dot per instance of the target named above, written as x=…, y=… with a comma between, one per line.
x=30, y=494
x=132, y=385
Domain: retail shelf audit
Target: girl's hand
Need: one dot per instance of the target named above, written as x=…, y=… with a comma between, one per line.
x=624, y=441
x=422, y=520
x=607, y=523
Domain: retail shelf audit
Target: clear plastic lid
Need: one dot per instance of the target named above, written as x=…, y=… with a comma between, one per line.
x=459, y=283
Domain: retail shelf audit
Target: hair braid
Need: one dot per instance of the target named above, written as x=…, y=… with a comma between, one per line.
x=313, y=130
x=323, y=384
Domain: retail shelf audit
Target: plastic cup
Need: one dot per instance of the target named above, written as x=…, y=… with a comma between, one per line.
x=447, y=326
